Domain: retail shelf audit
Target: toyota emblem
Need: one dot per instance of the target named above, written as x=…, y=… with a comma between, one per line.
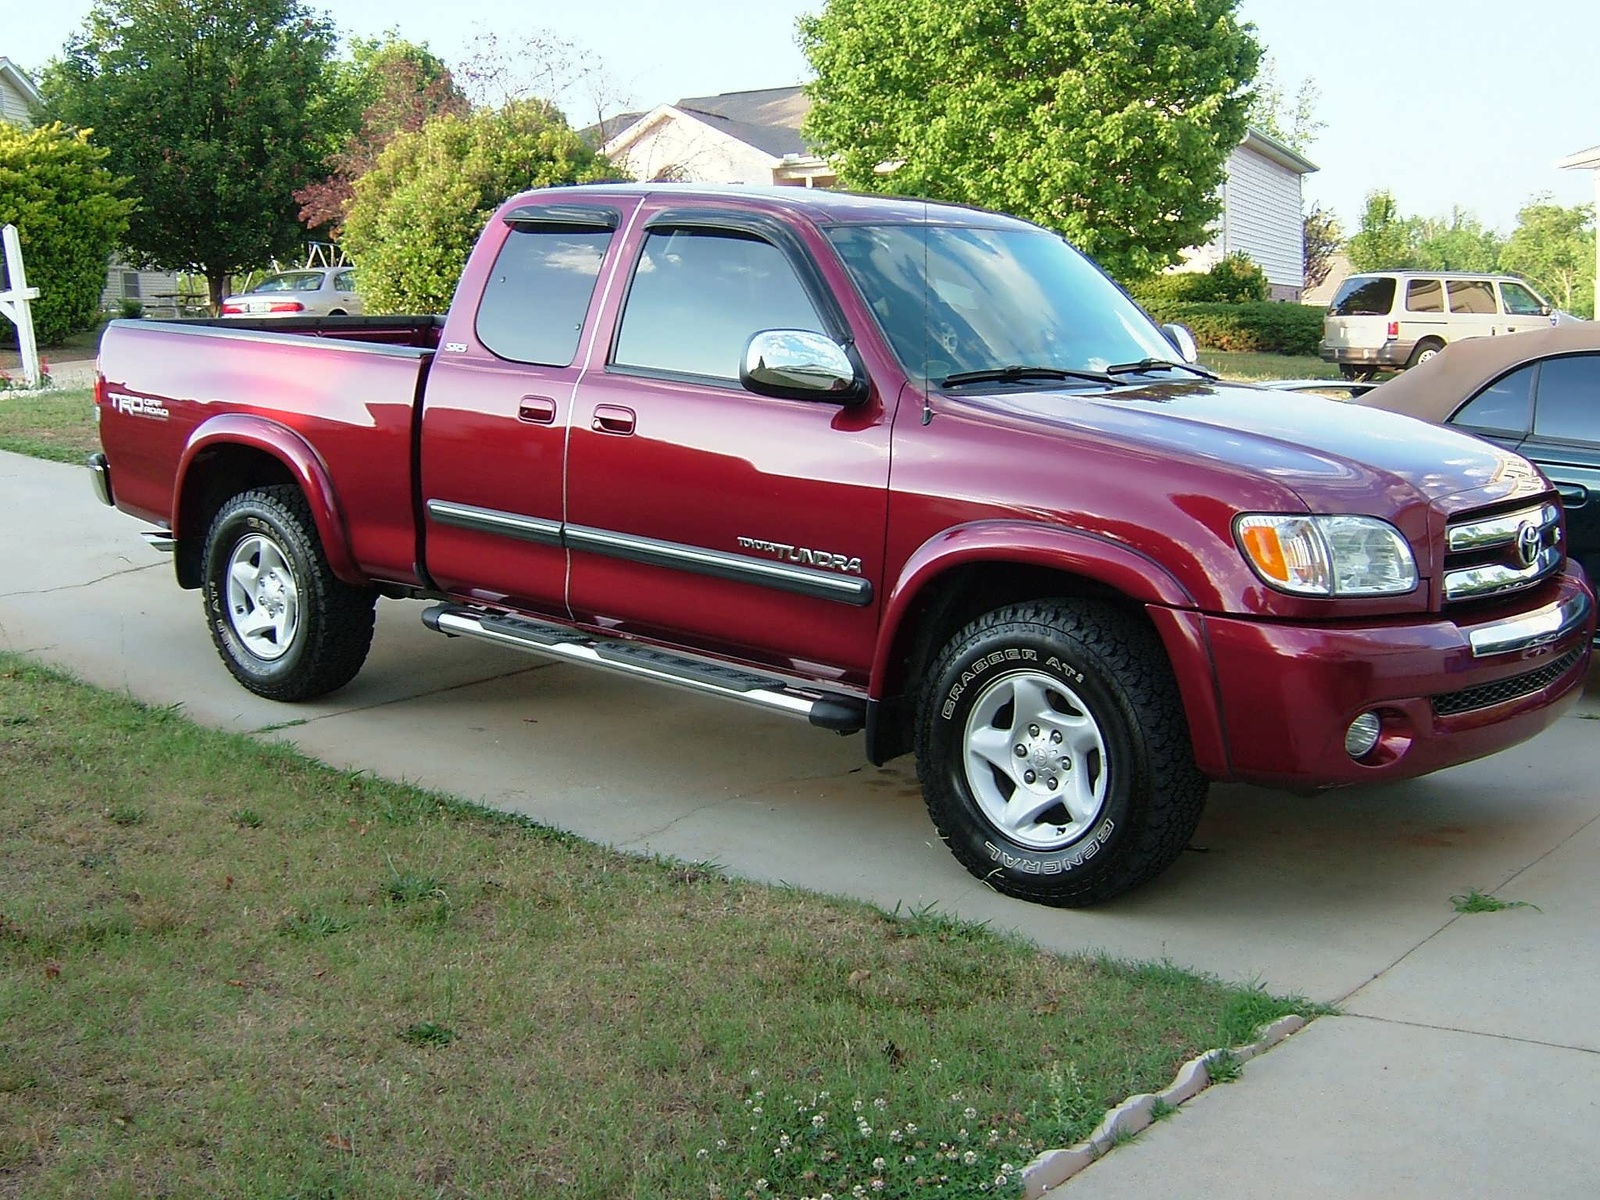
x=1530, y=541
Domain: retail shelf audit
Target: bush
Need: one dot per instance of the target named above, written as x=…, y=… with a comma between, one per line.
x=1260, y=327
x=1233, y=280
x=64, y=204
x=417, y=213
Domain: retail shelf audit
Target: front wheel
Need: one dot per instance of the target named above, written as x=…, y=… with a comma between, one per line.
x=1054, y=753
x=286, y=627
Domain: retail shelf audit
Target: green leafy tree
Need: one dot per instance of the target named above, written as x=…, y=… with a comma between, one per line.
x=1291, y=121
x=1459, y=244
x=55, y=189
x=391, y=86
x=216, y=110
x=1552, y=248
x=1386, y=240
x=1322, y=238
x=417, y=213
x=1108, y=121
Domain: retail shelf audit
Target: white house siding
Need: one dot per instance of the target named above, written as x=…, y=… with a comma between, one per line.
x=1261, y=217
x=681, y=149
x=13, y=106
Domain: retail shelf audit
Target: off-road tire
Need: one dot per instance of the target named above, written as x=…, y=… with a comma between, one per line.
x=1114, y=668
x=332, y=629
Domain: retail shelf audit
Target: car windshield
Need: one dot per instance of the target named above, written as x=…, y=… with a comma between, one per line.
x=957, y=300
x=290, y=281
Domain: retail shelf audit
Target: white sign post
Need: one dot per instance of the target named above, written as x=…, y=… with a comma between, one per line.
x=14, y=305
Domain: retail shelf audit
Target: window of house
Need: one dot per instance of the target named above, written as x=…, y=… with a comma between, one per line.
x=539, y=291
x=1568, y=407
x=1471, y=296
x=130, y=285
x=1424, y=296
x=732, y=283
x=1505, y=406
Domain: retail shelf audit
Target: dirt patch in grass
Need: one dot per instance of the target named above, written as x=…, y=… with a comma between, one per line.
x=226, y=970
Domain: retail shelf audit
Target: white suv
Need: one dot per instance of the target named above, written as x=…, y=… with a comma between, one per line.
x=1385, y=320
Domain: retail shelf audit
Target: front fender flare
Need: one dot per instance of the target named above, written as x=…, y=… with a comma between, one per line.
x=295, y=453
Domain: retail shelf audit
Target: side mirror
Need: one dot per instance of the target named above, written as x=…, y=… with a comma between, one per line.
x=1544, y=310
x=797, y=364
x=1183, y=342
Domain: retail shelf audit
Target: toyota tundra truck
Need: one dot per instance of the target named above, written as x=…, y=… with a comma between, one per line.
x=918, y=471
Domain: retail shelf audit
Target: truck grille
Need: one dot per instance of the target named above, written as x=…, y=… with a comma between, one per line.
x=1490, y=555
x=1452, y=703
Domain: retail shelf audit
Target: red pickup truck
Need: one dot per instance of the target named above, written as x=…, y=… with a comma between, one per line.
x=917, y=470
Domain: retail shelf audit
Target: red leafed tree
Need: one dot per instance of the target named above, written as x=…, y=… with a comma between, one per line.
x=395, y=86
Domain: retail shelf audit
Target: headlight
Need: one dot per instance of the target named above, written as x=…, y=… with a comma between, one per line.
x=1327, y=556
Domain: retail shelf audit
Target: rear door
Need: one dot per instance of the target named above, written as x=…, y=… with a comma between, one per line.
x=700, y=513
x=1566, y=444
x=1422, y=312
x=1358, y=318
x=494, y=426
x=1474, y=310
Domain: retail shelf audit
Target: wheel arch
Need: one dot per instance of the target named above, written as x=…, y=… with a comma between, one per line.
x=235, y=452
x=961, y=573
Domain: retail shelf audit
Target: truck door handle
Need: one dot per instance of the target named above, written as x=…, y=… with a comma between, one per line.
x=1573, y=495
x=613, y=418
x=540, y=410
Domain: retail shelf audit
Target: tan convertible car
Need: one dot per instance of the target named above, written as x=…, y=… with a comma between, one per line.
x=1536, y=393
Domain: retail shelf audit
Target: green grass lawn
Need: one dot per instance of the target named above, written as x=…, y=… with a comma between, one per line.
x=54, y=424
x=1248, y=367
x=226, y=970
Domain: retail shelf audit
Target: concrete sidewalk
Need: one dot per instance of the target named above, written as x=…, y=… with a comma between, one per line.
x=1468, y=1064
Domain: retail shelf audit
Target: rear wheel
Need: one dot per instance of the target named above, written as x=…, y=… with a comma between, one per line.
x=286, y=627
x=1425, y=349
x=1054, y=754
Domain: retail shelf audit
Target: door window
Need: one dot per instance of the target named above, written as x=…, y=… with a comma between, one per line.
x=697, y=297
x=1471, y=296
x=1520, y=302
x=1568, y=407
x=344, y=281
x=1424, y=296
x=538, y=292
x=1505, y=406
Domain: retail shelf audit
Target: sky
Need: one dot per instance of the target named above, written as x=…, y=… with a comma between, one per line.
x=1446, y=103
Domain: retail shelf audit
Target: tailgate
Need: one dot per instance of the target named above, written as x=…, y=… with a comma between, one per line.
x=169, y=388
x=1355, y=333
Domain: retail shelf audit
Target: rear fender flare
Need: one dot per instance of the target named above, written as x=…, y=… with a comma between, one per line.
x=302, y=461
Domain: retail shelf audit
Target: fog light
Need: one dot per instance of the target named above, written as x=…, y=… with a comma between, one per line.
x=1362, y=735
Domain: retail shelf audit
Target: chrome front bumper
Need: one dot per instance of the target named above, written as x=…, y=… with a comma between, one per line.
x=1538, y=628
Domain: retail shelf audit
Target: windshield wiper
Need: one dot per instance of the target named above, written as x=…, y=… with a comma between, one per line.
x=1018, y=374
x=1157, y=364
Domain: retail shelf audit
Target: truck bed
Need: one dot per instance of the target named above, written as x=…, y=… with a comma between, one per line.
x=347, y=386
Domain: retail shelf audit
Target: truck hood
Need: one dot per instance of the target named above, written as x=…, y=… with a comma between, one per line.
x=1335, y=457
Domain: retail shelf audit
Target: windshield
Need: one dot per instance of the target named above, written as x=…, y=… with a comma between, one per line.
x=994, y=298
x=292, y=281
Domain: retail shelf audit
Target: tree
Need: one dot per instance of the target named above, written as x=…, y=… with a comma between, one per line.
x=393, y=86
x=55, y=189
x=1294, y=123
x=1552, y=248
x=1322, y=239
x=216, y=110
x=1386, y=241
x=1459, y=244
x=1106, y=121
x=417, y=213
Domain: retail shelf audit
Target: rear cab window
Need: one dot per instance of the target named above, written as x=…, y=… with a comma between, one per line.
x=1364, y=297
x=538, y=293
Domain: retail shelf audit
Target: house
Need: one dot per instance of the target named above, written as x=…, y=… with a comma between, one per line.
x=156, y=290
x=754, y=137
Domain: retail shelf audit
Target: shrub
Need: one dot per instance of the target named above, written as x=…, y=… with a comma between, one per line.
x=65, y=206
x=1233, y=280
x=417, y=213
x=1260, y=327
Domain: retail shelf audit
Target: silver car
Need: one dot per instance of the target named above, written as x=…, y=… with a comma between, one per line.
x=308, y=292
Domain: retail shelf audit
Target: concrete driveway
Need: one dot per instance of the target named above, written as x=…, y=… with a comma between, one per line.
x=1482, y=1028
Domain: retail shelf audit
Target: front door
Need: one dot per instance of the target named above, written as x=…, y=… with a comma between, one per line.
x=702, y=514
